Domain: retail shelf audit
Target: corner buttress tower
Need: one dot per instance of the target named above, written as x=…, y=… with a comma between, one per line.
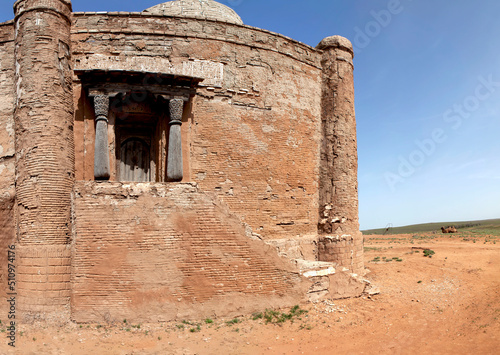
x=340, y=239
x=44, y=157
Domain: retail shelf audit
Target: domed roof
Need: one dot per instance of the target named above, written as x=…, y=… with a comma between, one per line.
x=204, y=9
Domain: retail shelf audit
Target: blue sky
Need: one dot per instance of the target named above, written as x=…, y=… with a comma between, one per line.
x=427, y=81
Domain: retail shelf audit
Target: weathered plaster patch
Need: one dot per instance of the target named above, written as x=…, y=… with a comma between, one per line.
x=339, y=238
x=324, y=272
x=19, y=90
x=212, y=72
x=249, y=134
x=7, y=168
x=9, y=127
x=293, y=141
x=268, y=129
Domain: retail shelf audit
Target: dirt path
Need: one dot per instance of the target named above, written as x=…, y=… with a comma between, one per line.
x=447, y=304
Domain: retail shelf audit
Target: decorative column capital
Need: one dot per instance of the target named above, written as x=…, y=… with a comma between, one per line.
x=176, y=109
x=101, y=107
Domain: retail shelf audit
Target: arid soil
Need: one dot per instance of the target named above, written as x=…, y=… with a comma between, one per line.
x=446, y=304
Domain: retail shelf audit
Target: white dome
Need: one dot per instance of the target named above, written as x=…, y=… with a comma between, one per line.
x=204, y=9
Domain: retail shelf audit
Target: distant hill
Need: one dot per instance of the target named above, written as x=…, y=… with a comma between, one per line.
x=489, y=226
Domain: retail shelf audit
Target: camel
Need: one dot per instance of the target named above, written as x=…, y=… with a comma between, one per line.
x=449, y=229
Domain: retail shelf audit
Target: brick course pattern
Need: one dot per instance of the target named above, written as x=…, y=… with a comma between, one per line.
x=269, y=165
x=340, y=240
x=44, y=157
x=155, y=252
x=44, y=123
x=252, y=141
x=43, y=282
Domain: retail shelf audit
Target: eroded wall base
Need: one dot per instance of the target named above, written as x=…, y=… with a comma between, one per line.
x=152, y=252
x=346, y=251
x=156, y=252
x=43, y=283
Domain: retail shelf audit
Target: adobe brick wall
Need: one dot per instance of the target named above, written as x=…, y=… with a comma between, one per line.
x=269, y=140
x=156, y=252
x=7, y=133
x=7, y=151
x=125, y=30
x=253, y=137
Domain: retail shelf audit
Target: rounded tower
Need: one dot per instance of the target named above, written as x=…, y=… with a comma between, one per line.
x=340, y=239
x=44, y=157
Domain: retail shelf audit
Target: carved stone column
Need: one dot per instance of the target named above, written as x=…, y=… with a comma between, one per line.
x=174, y=158
x=101, y=150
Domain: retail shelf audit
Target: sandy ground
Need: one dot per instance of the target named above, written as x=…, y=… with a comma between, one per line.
x=447, y=304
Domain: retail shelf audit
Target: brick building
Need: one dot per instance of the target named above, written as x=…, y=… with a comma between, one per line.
x=173, y=163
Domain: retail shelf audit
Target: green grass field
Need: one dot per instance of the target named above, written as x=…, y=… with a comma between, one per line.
x=486, y=227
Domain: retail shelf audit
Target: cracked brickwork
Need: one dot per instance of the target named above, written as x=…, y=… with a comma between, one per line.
x=340, y=238
x=44, y=157
x=156, y=252
x=7, y=152
x=253, y=141
x=269, y=165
